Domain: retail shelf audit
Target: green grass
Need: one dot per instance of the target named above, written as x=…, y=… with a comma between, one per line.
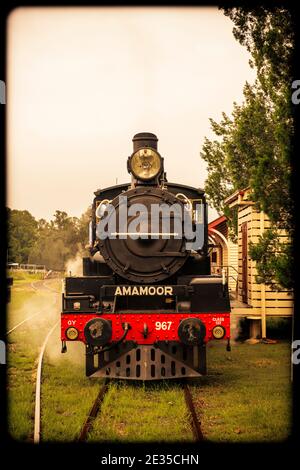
x=23, y=348
x=21, y=277
x=246, y=395
x=18, y=298
x=135, y=413
x=67, y=394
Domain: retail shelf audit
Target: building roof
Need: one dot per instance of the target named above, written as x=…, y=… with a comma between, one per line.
x=217, y=221
x=239, y=197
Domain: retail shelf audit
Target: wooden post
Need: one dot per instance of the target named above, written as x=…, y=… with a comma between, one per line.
x=255, y=330
x=263, y=287
x=244, y=229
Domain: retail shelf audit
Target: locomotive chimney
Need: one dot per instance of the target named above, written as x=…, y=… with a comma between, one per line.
x=144, y=139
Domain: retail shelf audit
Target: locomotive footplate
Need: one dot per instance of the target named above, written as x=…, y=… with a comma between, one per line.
x=162, y=360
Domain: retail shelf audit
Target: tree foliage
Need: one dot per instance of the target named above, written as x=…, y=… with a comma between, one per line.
x=252, y=146
x=22, y=231
x=273, y=260
x=50, y=243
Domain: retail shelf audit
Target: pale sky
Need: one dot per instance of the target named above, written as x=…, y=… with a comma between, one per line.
x=82, y=81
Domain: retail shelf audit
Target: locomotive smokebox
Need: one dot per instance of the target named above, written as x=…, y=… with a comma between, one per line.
x=144, y=139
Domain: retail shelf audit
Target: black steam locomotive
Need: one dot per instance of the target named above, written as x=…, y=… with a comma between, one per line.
x=146, y=304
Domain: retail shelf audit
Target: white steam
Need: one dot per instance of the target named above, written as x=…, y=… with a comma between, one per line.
x=74, y=266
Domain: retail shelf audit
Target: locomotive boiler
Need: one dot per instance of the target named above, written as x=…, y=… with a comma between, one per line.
x=147, y=304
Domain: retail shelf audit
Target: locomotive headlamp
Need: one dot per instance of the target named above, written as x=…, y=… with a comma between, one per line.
x=218, y=332
x=72, y=333
x=145, y=164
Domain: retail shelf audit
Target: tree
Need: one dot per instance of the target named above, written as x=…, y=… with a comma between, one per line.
x=51, y=243
x=83, y=228
x=272, y=270
x=60, y=240
x=252, y=148
x=61, y=220
x=22, y=233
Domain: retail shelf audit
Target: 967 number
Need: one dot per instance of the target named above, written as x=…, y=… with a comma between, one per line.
x=164, y=325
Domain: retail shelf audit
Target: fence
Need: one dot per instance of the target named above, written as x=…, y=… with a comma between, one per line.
x=27, y=267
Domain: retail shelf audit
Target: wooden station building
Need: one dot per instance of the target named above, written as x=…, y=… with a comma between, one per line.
x=250, y=300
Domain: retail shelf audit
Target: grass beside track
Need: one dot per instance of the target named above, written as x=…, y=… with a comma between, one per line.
x=67, y=394
x=247, y=394
x=21, y=277
x=23, y=348
x=246, y=397
x=136, y=412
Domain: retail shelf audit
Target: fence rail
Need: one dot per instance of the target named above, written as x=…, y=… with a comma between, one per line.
x=27, y=267
x=218, y=269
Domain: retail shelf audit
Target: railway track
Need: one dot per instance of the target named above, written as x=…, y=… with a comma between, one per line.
x=93, y=412
x=29, y=318
x=37, y=412
x=34, y=314
x=37, y=409
x=43, y=285
x=96, y=408
x=195, y=423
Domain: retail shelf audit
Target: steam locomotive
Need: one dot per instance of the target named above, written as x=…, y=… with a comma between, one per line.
x=147, y=304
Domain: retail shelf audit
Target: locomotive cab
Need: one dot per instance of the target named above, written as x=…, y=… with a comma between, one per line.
x=146, y=304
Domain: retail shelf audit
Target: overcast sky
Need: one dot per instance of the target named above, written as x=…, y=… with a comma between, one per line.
x=82, y=81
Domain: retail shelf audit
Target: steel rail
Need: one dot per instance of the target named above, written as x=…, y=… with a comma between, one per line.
x=195, y=423
x=50, y=288
x=42, y=282
x=37, y=409
x=37, y=313
x=93, y=412
x=28, y=318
